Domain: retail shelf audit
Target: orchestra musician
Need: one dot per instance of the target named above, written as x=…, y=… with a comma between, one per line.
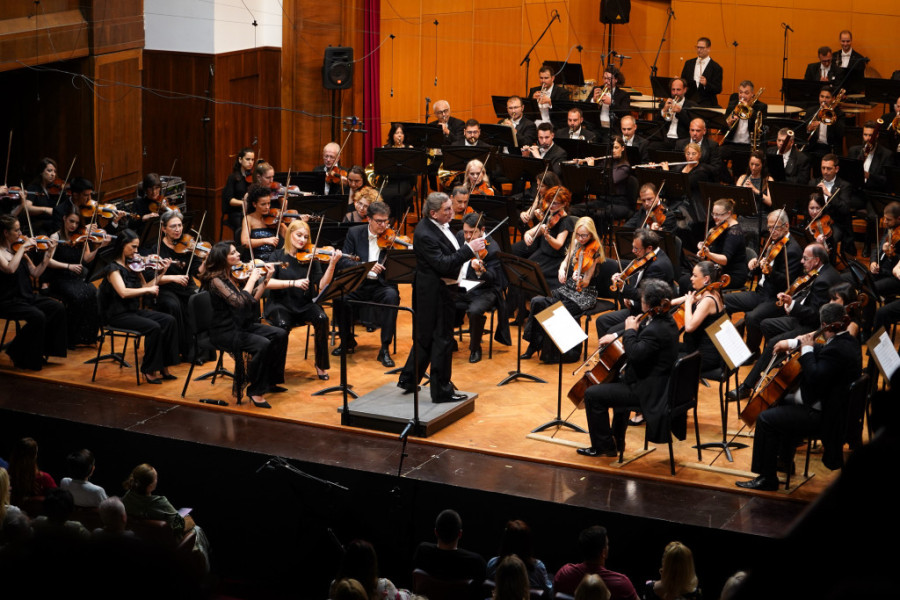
x=756, y=178
x=293, y=288
x=759, y=304
x=709, y=148
x=460, y=199
x=740, y=130
x=652, y=349
x=545, y=243
x=576, y=292
x=472, y=135
x=43, y=192
x=724, y=245
x=440, y=262
x=545, y=148
x=235, y=328
x=796, y=163
x=823, y=138
x=628, y=126
x=617, y=205
x=798, y=313
x=120, y=295
x=148, y=202
x=703, y=306
x=818, y=408
x=892, y=135
x=693, y=153
x=704, y=76
x=526, y=130
x=476, y=179
x=547, y=93
x=676, y=115
x=842, y=205
x=364, y=243
x=330, y=166
x=257, y=233
x=362, y=199
x=851, y=63
x=888, y=253
x=397, y=191
x=828, y=232
x=451, y=126
x=177, y=286
x=875, y=158
x=614, y=101
x=824, y=70
x=647, y=196
x=544, y=181
x=236, y=188
x=478, y=301
x=80, y=198
x=44, y=333
x=576, y=129
x=396, y=137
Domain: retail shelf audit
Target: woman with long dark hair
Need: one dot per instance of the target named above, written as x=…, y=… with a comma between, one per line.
x=236, y=188
x=26, y=478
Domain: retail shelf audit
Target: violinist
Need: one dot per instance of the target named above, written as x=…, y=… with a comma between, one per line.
x=650, y=262
x=545, y=148
x=236, y=329
x=724, y=244
x=476, y=179
x=888, y=252
x=459, y=198
x=12, y=201
x=177, y=286
x=652, y=214
x=822, y=227
x=845, y=201
x=43, y=192
x=364, y=243
x=149, y=201
x=796, y=163
x=651, y=348
x=68, y=268
x=236, y=188
x=576, y=292
x=891, y=133
x=796, y=311
x=536, y=196
x=817, y=408
x=546, y=242
x=361, y=202
x=356, y=181
x=332, y=170
x=703, y=306
x=257, y=233
x=478, y=301
x=293, y=288
x=120, y=295
x=759, y=304
x=44, y=333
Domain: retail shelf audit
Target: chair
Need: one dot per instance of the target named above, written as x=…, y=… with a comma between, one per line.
x=199, y=321
x=112, y=331
x=6, y=330
x=440, y=589
x=489, y=330
x=603, y=305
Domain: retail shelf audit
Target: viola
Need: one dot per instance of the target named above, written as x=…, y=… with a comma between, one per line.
x=712, y=237
x=243, y=270
x=459, y=216
x=798, y=284
x=390, y=239
x=322, y=254
x=635, y=266
x=678, y=313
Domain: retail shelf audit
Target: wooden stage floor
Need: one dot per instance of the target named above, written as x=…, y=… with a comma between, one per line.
x=494, y=436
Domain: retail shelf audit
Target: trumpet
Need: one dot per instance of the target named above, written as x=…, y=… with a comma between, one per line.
x=604, y=91
x=668, y=110
x=893, y=126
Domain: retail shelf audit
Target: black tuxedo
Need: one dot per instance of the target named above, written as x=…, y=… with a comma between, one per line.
x=586, y=134
x=813, y=72
x=883, y=157
x=621, y=101
x=478, y=301
x=704, y=95
x=853, y=74
x=434, y=302
x=557, y=92
x=661, y=269
x=555, y=155
x=526, y=132
x=374, y=290
x=757, y=106
x=643, y=147
x=797, y=169
x=683, y=118
x=456, y=127
x=478, y=144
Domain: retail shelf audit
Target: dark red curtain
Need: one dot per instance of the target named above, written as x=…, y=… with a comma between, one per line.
x=372, y=81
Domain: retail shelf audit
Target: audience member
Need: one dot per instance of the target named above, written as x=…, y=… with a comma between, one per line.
x=594, y=547
x=592, y=588
x=511, y=581
x=5, y=507
x=25, y=478
x=80, y=466
x=348, y=589
x=517, y=540
x=677, y=576
x=114, y=519
x=360, y=563
x=58, y=507
x=445, y=559
x=731, y=587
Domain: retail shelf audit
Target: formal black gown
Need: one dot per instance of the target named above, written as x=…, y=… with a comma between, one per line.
x=263, y=252
x=235, y=187
x=79, y=297
x=699, y=340
x=173, y=298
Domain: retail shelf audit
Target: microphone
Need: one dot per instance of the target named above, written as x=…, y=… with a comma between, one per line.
x=788, y=27
x=208, y=400
x=579, y=47
x=556, y=16
x=672, y=13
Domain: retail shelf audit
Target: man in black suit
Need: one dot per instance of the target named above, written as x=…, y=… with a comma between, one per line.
x=704, y=76
x=440, y=259
x=827, y=371
x=652, y=350
x=472, y=135
x=851, y=63
x=329, y=161
x=489, y=294
x=363, y=242
x=526, y=130
x=796, y=163
x=821, y=137
x=874, y=156
x=798, y=314
x=825, y=70
x=451, y=126
x=614, y=103
x=738, y=135
x=547, y=93
x=576, y=129
x=629, y=135
x=546, y=149
x=676, y=116
x=710, y=152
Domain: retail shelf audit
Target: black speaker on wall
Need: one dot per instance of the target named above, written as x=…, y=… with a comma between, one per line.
x=337, y=69
x=615, y=12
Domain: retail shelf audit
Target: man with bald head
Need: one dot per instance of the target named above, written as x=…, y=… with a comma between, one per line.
x=330, y=160
x=709, y=148
x=452, y=127
x=629, y=134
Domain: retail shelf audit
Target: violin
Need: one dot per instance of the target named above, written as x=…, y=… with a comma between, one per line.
x=55, y=187
x=635, y=266
x=335, y=175
x=42, y=243
x=322, y=254
x=187, y=243
x=585, y=256
x=678, y=313
x=390, y=239
x=287, y=216
x=139, y=263
x=822, y=225
x=657, y=215
x=606, y=361
x=95, y=236
x=798, y=284
x=714, y=233
x=770, y=253
x=893, y=238
x=243, y=270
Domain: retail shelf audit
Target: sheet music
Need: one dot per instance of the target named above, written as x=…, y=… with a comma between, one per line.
x=562, y=327
x=469, y=284
x=732, y=344
x=886, y=355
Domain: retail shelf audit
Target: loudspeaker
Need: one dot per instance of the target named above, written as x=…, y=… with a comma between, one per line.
x=337, y=69
x=615, y=12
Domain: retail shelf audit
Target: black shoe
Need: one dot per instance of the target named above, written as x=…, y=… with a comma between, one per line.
x=455, y=345
x=277, y=389
x=337, y=351
x=385, y=358
x=149, y=379
x=593, y=452
x=406, y=386
x=739, y=393
x=529, y=352
x=169, y=377
x=761, y=483
x=637, y=421
x=450, y=398
x=262, y=404
x=475, y=356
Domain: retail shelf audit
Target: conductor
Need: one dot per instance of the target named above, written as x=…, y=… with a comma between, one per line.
x=440, y=259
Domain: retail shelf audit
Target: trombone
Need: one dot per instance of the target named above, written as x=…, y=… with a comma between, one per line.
x=744, y=110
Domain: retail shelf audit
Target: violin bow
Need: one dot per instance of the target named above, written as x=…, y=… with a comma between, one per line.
x=247, y=228
x=197, y=241
x=656, y=202
x=63, y=188
x=283, y=205
x=87, y=231
x=787, y=273
x=315, y=246
x=337, y=159
x=537, y=195
x=8, y=152
x=27, y=216
x=380, y=189
x=158, y=247
x=172, y=170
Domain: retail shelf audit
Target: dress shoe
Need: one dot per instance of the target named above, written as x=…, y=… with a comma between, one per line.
x=337, y=351
x=168, y=377
x=152, y=380
x=739, y=393
x=637, y=421
x=475, y=356
x=385, y=358
x=593, y=452
x=323, y=375
x=761, y=483
x=407, y=387
x=529, y=352
x=450, y=398
x=277, y=389
x=260, y=403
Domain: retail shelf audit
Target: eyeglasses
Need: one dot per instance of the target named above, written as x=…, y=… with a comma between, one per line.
x=381, y=221
x=724, y=214
x=442, y=112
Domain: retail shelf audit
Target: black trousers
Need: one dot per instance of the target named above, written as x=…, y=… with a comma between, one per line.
x=160, y=337
x=433, y=345
x=370, y=291
x=288, y=317
x=475, y=307
x=267, y=347
x=44, y=333
x=778, y=431
x=598, y=399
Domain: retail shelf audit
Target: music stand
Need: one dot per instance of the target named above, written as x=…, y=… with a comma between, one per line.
x=634, y=155
x=775, y=166
x=893, y=178
x=714, y=119
x=740, y=161
x=421, y=135
x=400, y=267
x=574, y=148
x=515, y=167
x=590, y=111
x=661, y=156
x=565, y=72
x=342, y=284
x=584, y=180
x=790, y=195
x=882, y=91
x=400, y=163
x=500, y=136
x=307, y=181
x=744, y=200
x=495, y=209
x=661, y=86
x=499, y=105
x=331, y=208
x=456, y=158
x=527, y=277
x=802, y=92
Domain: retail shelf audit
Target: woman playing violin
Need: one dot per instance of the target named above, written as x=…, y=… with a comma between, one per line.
x=125, y=284
x=259, y=350
x=535, y=212
x=724, y=244
x=576, y=293
x=361, y=201
x=703, y=306
x=44, y=333
x=545, y=243
x=69, y=266
x=148, y=203
x=257, y=233
x=177, y=286
x=293, y=288
x=43, y=192
x=236, y=188
x=476, y=179
x=822, y=227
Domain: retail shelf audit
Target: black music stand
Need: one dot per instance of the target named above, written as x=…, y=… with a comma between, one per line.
x=677, y=184
x=802, y=92
x=852, y=170
x=740, y=162
x=456, y=158
x=343, y=284
x=515, y=167
x=566, y=73
x=775, y=167
x=400, y=163
x=495, y=209
x=634, y=155
x=714, y=119
x=882, y=91
x=744, y=200
x=500, y=136
x=661, y=86
x=584, y=180
x=590, y=111
x=661, y=156
x=420, y=135
x=527, y=277
x=334, y=234
x=575, y=148
x=307, y=181
x=790, y=196
x=331, y=208
x=499, y=105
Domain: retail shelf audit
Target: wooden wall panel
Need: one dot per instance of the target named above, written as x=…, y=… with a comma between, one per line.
x=116, y=25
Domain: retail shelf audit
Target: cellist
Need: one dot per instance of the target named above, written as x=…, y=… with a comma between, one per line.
x=827, y=370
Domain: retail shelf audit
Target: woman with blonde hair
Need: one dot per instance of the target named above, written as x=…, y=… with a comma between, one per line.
x=677, y=577
x=5, y=507
x=592, y=587
x=476, y=179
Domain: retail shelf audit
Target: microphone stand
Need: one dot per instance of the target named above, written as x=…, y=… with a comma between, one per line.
x=671, y=15
x=527, y=60
x=784, y=56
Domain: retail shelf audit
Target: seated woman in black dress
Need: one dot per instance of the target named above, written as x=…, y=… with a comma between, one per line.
x=68, y=268
x=44, y=333
x=294, y=287
x=179, y=286
x=262, y=347
x=545, y=243
x=120, y=294
x=756, y=178
x=256, y=233
x=724, y=245
x=702, y=309
x=617, y=205
x=698, y=172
